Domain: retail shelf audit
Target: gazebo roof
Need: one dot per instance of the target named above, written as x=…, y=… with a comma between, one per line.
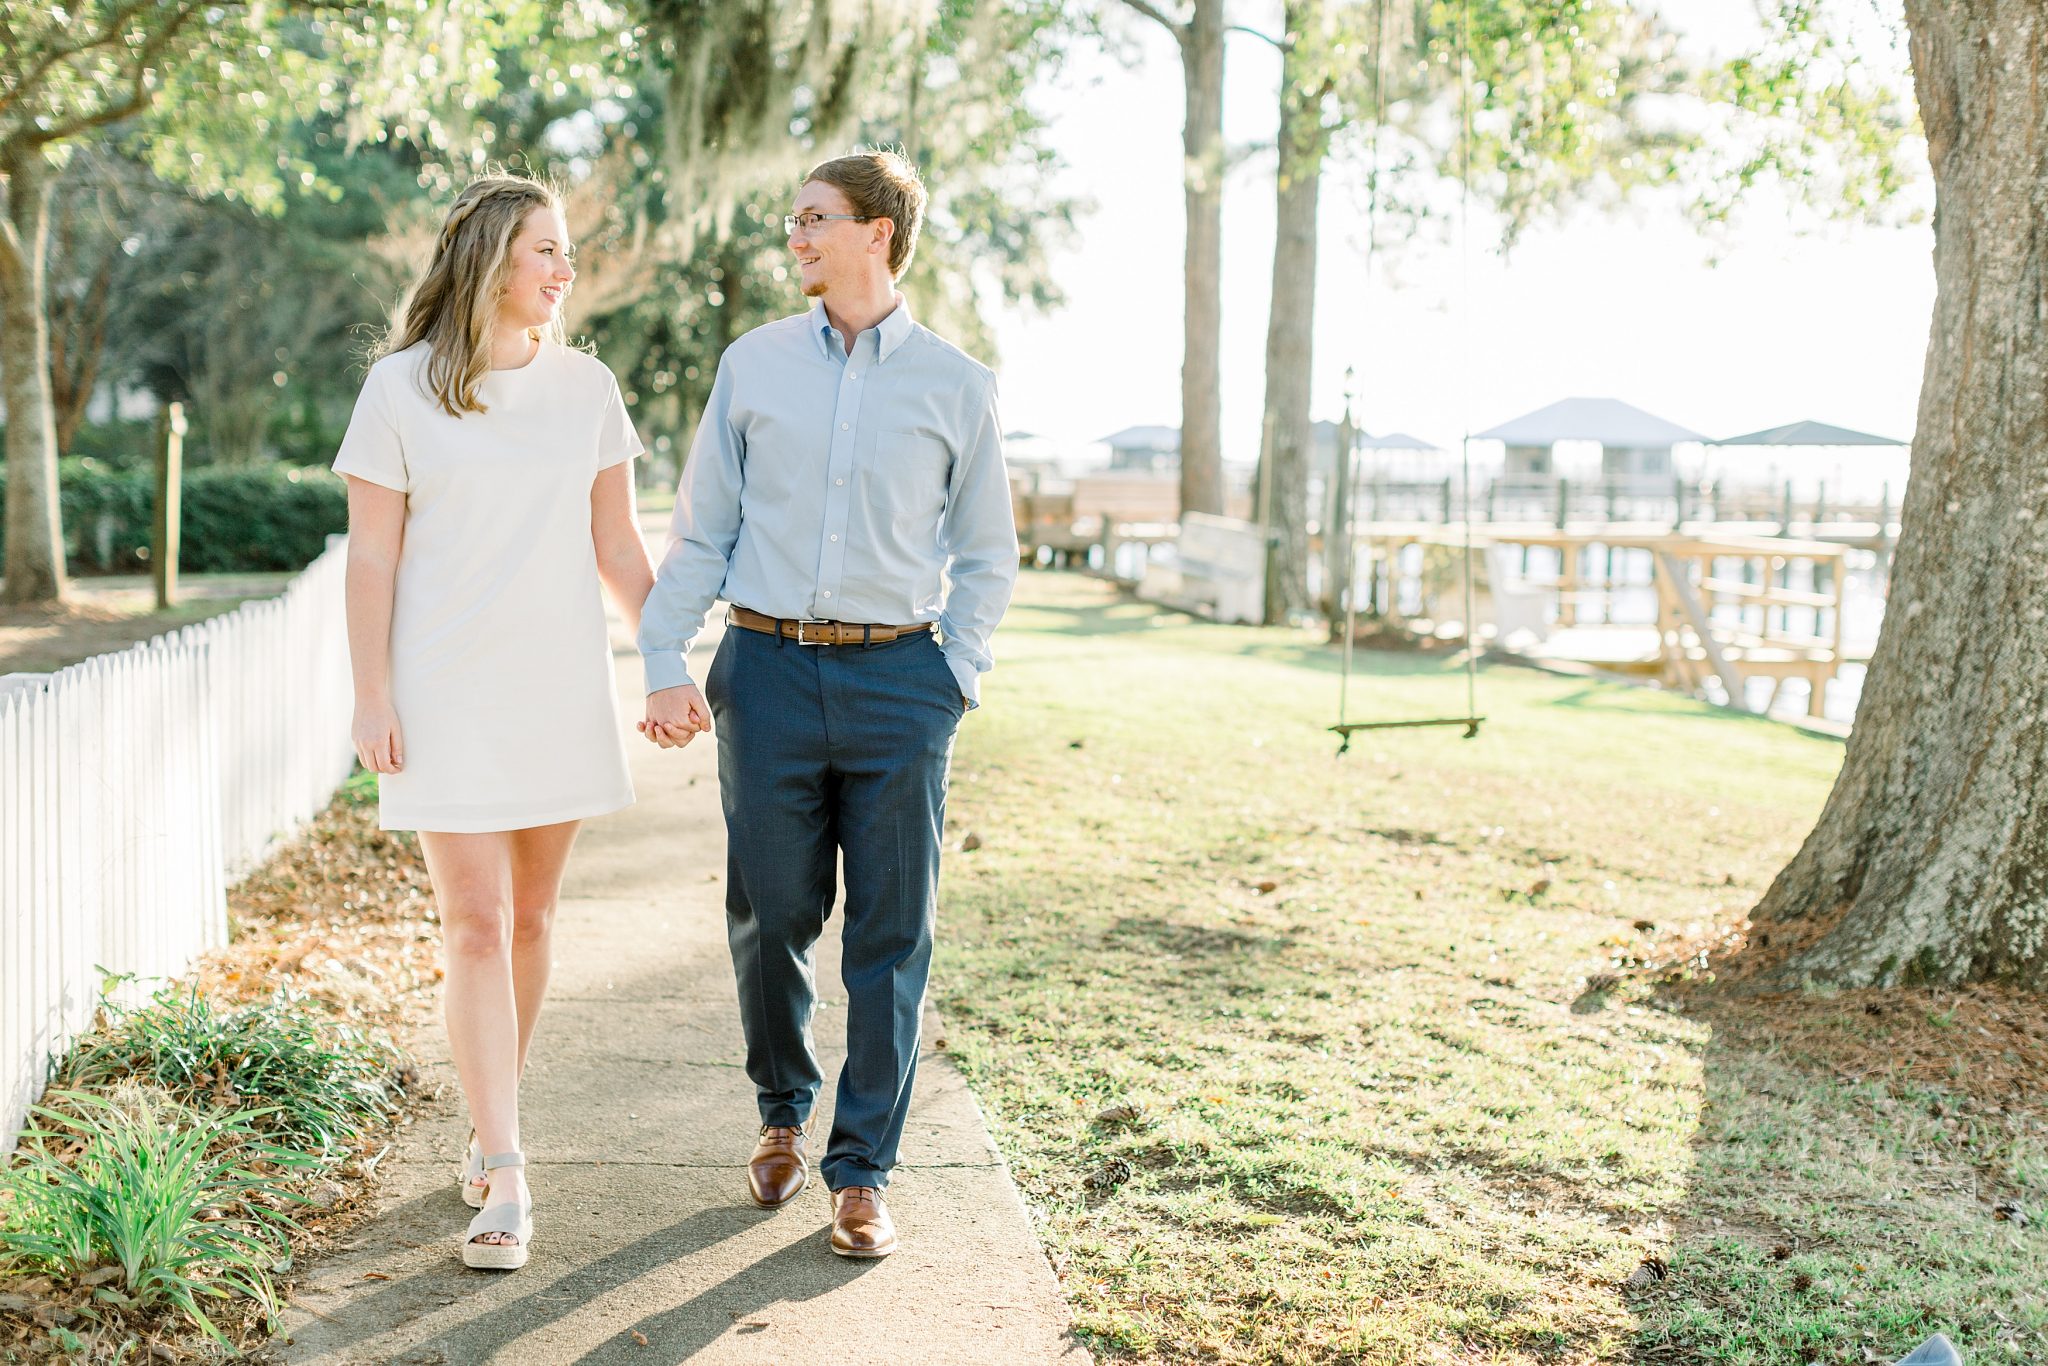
x=1145, y=438
x=1391, y=441
x=1395, y=441
x=1608, y=421
x=1808, y=434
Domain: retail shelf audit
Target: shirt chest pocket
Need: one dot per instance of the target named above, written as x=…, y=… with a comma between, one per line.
x=907, y=474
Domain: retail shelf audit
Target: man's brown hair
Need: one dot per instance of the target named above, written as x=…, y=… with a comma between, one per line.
x=880, y=185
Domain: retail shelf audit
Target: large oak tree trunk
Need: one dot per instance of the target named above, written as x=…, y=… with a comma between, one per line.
x=35, y=557
x=1201, y=372
x=1288, y=432
x=1930, y=861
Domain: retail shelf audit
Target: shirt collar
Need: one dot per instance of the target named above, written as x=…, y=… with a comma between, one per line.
x=891, y=332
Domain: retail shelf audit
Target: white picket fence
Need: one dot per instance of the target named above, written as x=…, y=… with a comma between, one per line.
x=136, y=787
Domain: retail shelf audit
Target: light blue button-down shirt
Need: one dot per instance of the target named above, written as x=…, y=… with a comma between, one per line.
x=866, y=487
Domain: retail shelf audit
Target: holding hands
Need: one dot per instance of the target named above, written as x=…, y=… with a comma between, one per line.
x=675, y=716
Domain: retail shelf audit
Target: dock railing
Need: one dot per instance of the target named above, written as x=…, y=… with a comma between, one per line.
x=1551, y=500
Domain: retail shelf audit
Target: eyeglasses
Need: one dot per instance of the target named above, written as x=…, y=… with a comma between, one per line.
x=809, y=221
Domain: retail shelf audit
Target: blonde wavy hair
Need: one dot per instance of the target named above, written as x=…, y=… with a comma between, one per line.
x=453, y=306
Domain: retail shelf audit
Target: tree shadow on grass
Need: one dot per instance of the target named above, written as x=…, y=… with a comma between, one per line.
x=1216, y=952
x=1849, y=1157
x=1127, y=614
x=1620, y=699
x=1121, y=614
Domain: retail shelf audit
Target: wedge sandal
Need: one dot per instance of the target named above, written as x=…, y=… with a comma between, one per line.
x=507, y=1216
x=470, y=1179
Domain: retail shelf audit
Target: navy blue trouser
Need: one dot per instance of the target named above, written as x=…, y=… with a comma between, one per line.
x=827, y=751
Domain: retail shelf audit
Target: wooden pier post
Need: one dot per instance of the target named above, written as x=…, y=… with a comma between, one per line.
x=1883, y=568
x=1337, y=548
x=170, y=474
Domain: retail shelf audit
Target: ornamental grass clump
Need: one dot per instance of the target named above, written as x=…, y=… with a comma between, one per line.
x=307, y=1082
x=148, y=1203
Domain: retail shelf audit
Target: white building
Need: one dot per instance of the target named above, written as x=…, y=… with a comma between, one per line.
x=1596, y=441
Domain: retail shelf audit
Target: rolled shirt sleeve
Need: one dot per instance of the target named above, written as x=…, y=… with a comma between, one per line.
x=701, y=535
x=978, y=534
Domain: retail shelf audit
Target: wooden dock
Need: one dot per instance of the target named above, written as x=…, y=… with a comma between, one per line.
x=1735, y=600
x=1727, y=610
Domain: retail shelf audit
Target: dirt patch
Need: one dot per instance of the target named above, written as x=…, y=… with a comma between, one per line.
x=1984, y=1043
x=105, y=615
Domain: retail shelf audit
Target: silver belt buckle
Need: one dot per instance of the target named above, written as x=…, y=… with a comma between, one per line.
x=810, y=621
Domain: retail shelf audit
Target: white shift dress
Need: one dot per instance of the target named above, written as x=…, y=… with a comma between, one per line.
x=501, y=667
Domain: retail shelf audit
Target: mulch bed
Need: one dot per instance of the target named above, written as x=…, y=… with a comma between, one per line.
x=344, y=914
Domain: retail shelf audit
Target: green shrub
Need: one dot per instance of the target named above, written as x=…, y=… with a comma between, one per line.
x=235, y=519
x=180, y=1202
x=318, y=1086
x=122, y=444
x=260, y=517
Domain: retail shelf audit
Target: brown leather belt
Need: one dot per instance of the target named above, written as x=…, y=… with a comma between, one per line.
x=806, y=632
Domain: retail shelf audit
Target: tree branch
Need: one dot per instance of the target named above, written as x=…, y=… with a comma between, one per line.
x=136, y=101
x=1278, y=43
x=14, y=252
x=138, y=98
x=1174, y=26
x=115, y=23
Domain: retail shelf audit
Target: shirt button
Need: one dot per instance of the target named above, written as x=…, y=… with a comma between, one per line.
x=828, y=592
x=838, y=481
x=845, y=426
x=853, y=374
x=835, y=538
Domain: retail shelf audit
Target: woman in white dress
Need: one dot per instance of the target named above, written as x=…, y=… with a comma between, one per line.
x=490, y=493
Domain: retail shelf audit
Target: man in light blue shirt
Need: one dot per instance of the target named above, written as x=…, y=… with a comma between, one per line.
x=846, y=496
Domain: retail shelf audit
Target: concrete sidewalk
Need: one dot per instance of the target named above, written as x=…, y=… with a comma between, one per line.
x=638, y=1118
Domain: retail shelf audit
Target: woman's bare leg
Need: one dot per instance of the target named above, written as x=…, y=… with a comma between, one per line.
x=472, y=877
x=539, y=855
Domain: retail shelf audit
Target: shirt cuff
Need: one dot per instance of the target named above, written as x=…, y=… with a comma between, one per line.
x=969, y=680
x=668, y=669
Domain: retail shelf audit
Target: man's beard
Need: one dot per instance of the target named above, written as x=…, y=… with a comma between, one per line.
x=815, y=291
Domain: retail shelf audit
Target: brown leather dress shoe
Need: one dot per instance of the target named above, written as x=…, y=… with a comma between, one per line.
x=778, y=1169
x=860, y=1223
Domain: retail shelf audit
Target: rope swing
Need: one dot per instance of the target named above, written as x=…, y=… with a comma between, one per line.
x=1471, y=719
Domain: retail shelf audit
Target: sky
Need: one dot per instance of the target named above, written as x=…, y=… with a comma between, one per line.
x=1774, y=320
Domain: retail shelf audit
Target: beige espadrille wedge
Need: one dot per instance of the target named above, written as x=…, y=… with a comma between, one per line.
x=507, y=1216
x=469, y=1178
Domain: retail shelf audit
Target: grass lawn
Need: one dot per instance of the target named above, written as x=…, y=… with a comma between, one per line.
x=113, y=612
x=1382, y=1058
